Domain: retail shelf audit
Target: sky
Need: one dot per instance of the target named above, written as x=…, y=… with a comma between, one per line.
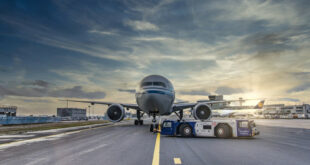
x=100, y=50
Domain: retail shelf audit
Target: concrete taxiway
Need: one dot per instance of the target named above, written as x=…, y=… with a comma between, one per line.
x=125, y=143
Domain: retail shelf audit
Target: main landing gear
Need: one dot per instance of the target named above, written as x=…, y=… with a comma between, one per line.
x=139, y=121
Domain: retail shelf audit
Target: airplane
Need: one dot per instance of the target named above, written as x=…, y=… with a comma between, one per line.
x=259, y=105
x=242, y=111
x=155, y=96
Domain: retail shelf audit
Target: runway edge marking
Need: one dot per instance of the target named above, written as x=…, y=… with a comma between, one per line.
x=156, y=149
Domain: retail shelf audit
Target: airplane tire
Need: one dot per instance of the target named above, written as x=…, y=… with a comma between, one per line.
x=136, y=122
x=186, y=130
x=222, y=131
x=141, y=122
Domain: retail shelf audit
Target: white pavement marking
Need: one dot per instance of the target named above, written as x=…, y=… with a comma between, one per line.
x=91, y=149
x=44, y=138
x=36, y=161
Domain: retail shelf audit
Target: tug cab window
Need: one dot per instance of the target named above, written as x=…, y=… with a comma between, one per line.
x=207, y=127
x=243, y=124
x=167, y=124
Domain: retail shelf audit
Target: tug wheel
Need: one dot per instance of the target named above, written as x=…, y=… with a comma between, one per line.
x=222, y=131
x=186, y=130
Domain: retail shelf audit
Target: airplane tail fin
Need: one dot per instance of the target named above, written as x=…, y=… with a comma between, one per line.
x=260, y=105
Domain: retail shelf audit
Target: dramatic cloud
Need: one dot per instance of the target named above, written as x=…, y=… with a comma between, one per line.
x=228, y=91
x=238, y=48
x=40, y=83
x=142, y=25
x=127, y=90
x=40, y=88
x=300, y=88
x=3, y=69
x=77, y=92
x=289, y=99
x=195, y=92
x=102, y=32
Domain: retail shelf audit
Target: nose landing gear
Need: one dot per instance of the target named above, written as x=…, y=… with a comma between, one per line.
x=154, y=125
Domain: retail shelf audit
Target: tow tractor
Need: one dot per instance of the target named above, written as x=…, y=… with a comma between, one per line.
x=221, y=128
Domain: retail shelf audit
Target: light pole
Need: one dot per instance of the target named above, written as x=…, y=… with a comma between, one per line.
x=93, y=110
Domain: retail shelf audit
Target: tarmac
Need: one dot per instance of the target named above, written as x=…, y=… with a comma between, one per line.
x=124, y=143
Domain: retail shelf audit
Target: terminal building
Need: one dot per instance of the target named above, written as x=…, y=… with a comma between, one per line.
x=72, y=113
x=8, y=110
x=289, y=111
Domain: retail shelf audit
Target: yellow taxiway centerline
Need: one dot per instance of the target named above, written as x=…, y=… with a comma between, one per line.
x=156, y=148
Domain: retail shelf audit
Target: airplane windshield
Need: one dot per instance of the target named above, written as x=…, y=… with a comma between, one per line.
x=159, y=84
x=146, y=84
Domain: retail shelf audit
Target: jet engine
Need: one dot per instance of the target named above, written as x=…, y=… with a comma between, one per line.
x=202, y=112
x=115, y=113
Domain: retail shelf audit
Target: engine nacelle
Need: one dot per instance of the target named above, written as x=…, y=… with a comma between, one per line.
x=115, y=113
x=202, y=112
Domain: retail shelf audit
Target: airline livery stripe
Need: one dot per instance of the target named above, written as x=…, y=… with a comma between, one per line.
x=159, y=92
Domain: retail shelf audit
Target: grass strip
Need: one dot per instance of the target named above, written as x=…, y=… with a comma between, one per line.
x=19, y=129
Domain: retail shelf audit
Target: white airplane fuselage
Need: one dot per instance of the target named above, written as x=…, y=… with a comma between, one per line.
x=155, y=95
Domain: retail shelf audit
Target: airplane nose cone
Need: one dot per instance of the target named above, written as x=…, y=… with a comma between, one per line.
x=155, y=101
x=152, y=103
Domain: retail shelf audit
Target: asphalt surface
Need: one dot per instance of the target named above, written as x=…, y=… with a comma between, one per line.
x=129, y=144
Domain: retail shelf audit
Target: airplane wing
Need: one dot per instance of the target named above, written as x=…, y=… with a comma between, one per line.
x=181, y=106
x=131, y=106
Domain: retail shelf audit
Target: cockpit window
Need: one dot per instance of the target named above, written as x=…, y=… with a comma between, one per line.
x=159, y=84
x=146, y=84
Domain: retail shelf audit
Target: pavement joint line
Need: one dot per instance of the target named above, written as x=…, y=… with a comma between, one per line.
x=73, y=131
x=177, y=161
x=157, y=148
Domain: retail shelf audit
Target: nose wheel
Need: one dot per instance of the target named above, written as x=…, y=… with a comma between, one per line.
x=154, y=125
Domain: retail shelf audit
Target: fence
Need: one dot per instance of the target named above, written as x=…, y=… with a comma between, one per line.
x=9, y=120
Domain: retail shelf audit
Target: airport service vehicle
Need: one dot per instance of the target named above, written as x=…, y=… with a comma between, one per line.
x=221, y=128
